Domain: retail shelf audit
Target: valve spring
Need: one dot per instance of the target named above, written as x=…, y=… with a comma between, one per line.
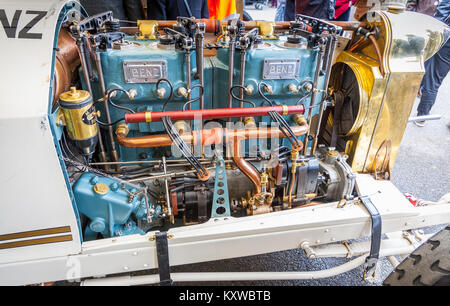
x=112, y=25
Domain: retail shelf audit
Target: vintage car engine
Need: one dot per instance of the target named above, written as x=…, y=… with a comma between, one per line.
x=172, y=125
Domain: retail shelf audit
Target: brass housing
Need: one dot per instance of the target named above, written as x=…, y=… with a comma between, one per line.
x=385, y=102
x=79, y=117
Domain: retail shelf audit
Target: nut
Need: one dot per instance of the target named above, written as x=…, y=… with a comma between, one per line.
x=161, y=92
x=182, y=92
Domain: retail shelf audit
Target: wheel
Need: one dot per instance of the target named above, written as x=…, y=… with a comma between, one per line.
x=259, y=6
x=428, y=265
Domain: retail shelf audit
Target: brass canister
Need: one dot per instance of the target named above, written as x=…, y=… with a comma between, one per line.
x=80, y=119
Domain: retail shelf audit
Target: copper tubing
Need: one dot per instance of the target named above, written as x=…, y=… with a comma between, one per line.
x=245, y=166
x=378, y=51
x=204, y=137
x=209, y=137
x=66, y=63
x=374, y=42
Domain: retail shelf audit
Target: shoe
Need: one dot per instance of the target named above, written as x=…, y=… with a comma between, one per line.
x=419, y=123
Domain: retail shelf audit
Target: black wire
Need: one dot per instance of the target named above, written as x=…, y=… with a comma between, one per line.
x=115, y=105
x=283, y=128
x=196, y=99
x=170, y=95
x=238, y=98
x=283, y=125
x=65, y=155
x=261, y=93
x=68, y=149
x=108, y=124
x=173, y=133
x=176, y=139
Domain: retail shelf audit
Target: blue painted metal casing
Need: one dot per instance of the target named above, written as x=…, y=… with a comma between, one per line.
x=254, y=68
x=147, y=98
x=215, y=84
x=109, y=213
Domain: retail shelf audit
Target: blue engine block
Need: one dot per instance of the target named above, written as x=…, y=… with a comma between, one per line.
x=108, y=206
x=215, y=83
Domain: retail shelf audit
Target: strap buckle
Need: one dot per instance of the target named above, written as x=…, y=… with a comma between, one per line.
x=370, y=268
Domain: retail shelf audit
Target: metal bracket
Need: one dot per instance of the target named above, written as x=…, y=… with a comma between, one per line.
x=371, y=260
x=221, y=202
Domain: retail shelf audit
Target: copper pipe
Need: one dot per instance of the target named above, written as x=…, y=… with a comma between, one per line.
x=378, y=51
x=66, y=63
x=204, y=137
x=209, y=137
x=245, y=166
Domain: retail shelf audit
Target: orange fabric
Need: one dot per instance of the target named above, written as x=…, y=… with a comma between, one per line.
x=219, y=9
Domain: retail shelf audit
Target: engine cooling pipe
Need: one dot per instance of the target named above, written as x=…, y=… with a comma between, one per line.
x=217, y=113
x=212, y=136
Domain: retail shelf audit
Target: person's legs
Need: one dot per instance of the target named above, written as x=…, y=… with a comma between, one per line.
x=436, y=69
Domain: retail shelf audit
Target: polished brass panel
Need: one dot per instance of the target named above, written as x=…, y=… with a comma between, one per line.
x=406, y=40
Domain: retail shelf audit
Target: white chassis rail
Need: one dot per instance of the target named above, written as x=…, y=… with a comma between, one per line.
x=309, y=228
x=35, y=195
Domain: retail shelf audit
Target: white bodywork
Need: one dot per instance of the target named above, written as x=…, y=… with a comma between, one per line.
x=35, y=196
x=34, y=192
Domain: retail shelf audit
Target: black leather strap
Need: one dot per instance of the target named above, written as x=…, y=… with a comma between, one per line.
x=375, y=243
x=162, y=251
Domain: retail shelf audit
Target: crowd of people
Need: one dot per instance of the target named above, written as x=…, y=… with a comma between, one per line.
x=436, y=68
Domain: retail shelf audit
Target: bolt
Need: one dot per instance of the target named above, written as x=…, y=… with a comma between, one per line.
x=182, y=92
x=308, y=250
x=161, y=92
x=132, y=93
x=308, y=87
x=292, y=88
x=249, y=89
x=268, y=89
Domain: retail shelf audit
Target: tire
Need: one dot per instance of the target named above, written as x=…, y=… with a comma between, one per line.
x=246, y=16
x=428, y=265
